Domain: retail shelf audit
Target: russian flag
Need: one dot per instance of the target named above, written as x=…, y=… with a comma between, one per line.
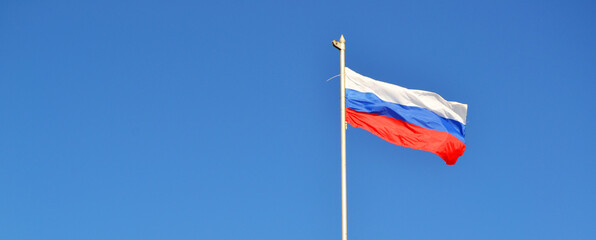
x=411, y=118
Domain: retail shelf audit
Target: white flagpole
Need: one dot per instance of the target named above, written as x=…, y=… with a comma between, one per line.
x=341, y=45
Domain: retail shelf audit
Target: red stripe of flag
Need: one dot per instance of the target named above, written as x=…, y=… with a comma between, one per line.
x=401, y=133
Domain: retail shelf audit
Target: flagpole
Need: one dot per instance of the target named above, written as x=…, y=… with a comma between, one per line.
x=341, y=45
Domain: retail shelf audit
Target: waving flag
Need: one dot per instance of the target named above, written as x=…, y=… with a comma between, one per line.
x=411, y=118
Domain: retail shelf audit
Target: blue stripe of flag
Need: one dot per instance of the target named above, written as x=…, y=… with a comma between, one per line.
x=370, y=103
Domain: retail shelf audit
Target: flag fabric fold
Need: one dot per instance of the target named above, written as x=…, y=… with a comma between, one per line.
x=406, y=117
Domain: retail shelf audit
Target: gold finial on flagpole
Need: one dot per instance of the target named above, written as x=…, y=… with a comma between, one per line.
x=341, y=44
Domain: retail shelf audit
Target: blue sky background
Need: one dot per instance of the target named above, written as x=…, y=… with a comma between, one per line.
x=213, y=120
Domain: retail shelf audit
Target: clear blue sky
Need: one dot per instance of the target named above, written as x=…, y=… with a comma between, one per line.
x=213, y=120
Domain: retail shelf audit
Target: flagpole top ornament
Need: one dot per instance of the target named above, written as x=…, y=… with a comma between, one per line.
x=341, y=44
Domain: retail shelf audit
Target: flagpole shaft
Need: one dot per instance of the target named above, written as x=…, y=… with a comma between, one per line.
x=344, y=204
